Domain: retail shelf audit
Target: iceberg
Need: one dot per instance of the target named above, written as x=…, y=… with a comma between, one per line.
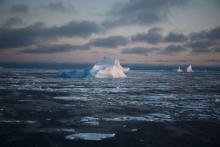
x=189, y=68
x=179, y=69
x=105, y=68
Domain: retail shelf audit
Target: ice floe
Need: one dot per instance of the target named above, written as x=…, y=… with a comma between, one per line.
x=57, y=130
x=125, y=118
x=90, y=136
x=90, y=120
x=155, y=117
x=72, y=98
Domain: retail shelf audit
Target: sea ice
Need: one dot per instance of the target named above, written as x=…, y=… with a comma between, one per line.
x=90, y=136
x=106, y=68
x=90, y=120
x=125, y=118
x=71, y=98
x=57, y=130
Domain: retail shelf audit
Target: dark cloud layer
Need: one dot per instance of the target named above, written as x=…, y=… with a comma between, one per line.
x=143, y=12
x=169, y=50
x=59, y=6
x=20, y=8
x=54, y=48
x=109, y=42
x=175, y=37
x=153, y=36
x=173, y=49
x=139, y=50
x=112, y=41
x=34, y=34
x=213, y=34
x=199, y=42
x=205, y=41
x=13, y=22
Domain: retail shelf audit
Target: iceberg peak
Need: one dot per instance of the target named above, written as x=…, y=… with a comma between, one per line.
x=108, y=68
x=189, y=68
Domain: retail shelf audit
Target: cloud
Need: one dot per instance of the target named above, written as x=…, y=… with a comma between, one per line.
x=216, y=2
x=205, y=41
x=54, y=48
x=153, y=36
x=142, y=12
x=169, y=50
x=213, y=34
x=197, y=44
x=212, y=60
x=112, y=41
x=19, y=8
x=13, y=22
x=38, y=32
x=175, y=37
x=175, y=61
x=139, y=50
x=172, y=49
x=2, y=2
x=59, y=6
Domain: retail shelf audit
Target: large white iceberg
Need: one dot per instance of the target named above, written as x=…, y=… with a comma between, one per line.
x=105, y=68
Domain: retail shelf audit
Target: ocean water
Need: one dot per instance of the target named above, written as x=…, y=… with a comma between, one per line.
x=36, y=103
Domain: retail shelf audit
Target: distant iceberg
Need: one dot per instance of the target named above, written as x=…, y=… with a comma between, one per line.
x=105, y=68
x=179, y=69
x=189, y=68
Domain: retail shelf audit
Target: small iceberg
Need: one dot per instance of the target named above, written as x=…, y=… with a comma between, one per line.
x=189, y=68
x=179, y=69
x=90, y=136
x=105, y=68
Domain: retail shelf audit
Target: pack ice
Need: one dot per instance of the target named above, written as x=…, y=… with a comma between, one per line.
x=105, y=68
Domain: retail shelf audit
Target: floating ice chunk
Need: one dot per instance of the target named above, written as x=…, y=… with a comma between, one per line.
x=217, y=100
x=10, y=121
x=57, y=130
x=126, y=69
x=65, y=130
x=125, y=118
x=71, y=98
x=90, y=121
x=31, y=121
x=19, y=121
x=155, y=117
x=106, y=68
x=158, y=117
x=90, y=136
x=134, y=130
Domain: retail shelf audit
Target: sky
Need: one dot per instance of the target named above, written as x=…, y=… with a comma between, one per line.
x=135, y=31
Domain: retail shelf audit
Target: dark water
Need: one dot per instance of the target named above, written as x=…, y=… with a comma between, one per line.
x=148, y=108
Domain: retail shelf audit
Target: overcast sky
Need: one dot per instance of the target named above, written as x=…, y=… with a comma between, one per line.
x=135, y=31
